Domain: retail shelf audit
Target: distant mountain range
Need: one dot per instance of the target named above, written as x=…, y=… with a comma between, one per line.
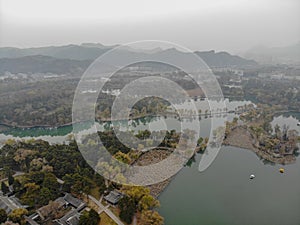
x=42, y=64
x=224, y=59
x=76, y=58
x=263, y=54
x=76, y=52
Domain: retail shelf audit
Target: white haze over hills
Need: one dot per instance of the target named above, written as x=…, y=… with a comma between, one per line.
x=223, y=25
x=287, y=54
x=72, y=59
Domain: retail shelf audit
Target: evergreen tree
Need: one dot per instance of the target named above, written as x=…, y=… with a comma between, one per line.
x=11, y=179
x=128, y=208
x=3, y=216
x=89, y=218
x=4, y=188
x=17, y=185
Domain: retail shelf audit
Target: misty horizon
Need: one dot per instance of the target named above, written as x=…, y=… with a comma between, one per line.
x=233, y=26
x=162, y=48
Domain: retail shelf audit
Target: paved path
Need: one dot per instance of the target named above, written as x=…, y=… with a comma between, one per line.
x=106, y=210
x=134, y=220
x=103, y=209
x=157, y=148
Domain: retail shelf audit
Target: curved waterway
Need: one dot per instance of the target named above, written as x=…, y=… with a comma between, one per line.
x=60, y=134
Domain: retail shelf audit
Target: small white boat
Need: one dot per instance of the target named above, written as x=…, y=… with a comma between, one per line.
x=298, y=124
x=252, y=176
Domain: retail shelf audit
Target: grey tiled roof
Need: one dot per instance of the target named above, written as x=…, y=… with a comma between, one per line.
x=75, y=202
x=71, y=218
x=9, y=203
x=113, y=197
x=30, y=221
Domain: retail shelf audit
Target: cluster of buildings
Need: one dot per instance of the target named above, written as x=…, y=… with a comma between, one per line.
x=10, y=203
x=64, y=210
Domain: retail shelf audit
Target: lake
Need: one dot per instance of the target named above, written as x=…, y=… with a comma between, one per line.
x=224, y=194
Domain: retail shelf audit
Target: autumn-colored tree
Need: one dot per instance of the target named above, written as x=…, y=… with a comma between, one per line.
x=148, y=202
x=150, y=217
x=112, y=170
x=136, y=192
x=122, y=157
x=31, y=195
x=17, y=215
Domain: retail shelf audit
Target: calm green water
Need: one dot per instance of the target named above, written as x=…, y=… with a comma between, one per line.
x=137, y=124
x=224, y=194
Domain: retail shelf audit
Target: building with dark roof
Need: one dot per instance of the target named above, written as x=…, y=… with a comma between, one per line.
x=10, y=203
x=113, y=197
x=71, y=218
x=58, y=204
x=51, y=209
x=30, y=221
x=74, y=202
x=54, y=209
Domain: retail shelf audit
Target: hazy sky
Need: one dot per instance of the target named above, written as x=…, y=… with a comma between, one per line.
x=232, y=25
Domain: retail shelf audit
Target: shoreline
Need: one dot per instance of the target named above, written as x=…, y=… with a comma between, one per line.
x=104, y=120
x=161, y=187
x=48, y=126
x=241, y=137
